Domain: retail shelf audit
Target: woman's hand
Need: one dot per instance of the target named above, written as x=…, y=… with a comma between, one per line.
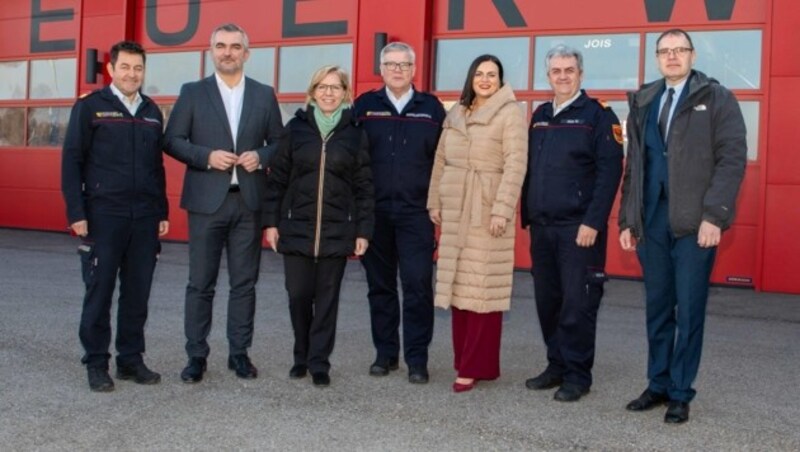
x=361, y=246
x=272, y=238
x=436, y=216
x=497, y=226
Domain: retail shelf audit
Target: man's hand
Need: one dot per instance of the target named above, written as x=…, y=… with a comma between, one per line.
x=497, y=226
x=221, y=160
x=248, y=160
x=361, y=246
x=627, y=241
x=80, y=228
x=436, y=216
x=163, y=228
x=272, y=237
x=586, y=236
x=709, y=235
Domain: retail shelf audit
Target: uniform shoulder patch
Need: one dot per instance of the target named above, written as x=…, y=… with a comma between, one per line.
x=616, y=130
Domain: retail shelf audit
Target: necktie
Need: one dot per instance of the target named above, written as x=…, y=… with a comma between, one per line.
x=663, y=118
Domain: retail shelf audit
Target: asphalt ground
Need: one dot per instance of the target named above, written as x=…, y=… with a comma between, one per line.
x=748, y=396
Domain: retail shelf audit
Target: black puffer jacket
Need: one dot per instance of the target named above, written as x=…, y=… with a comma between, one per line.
x=320, y=212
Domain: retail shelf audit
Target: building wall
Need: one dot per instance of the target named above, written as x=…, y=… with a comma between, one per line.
x=759, y=250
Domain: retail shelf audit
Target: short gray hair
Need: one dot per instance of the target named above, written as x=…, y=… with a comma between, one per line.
x=231, y=28
x=563, y=51
x=398, y=47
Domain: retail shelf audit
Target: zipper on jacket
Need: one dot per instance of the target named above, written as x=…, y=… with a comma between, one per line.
x=318, y=229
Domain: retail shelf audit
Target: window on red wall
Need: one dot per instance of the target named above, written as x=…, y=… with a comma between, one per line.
x=35, y=101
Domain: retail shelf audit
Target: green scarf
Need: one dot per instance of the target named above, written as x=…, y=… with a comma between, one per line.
x=326, y=124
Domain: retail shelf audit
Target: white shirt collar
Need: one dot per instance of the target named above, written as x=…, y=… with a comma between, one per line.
x=133, y=105
x=558, y=108
x=221, y=83
x=401, y=102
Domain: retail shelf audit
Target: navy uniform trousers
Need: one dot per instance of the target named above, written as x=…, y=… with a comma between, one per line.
x=405, y=241
x=128, y=248
x=568, y=285
x=676, y=274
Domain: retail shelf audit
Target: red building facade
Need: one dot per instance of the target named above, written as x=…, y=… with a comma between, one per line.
x=47, y=60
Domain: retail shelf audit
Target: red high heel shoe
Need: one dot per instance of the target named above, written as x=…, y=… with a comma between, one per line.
x=463, y=387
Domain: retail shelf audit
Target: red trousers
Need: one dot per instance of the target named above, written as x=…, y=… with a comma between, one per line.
x=476, y=344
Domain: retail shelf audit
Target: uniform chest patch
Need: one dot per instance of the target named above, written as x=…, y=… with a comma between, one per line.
x=419, y=115
x=153, y=120
x=573, y=121
x=540, y=124
x=379, y=113
x=109, y=114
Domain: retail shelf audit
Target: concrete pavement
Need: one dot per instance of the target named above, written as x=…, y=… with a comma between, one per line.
x=748, y=396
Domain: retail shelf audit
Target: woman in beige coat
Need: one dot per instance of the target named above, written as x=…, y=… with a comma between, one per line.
x=477, y=176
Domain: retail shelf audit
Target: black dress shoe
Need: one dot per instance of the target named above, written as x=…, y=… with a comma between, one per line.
x=99, y=380
x=320, y=379
x=544, y=380
x=139, y=373
x=298, y=371
x=569, y=392
x=418, y=374
x=382, y=366
x=193, y=372
x=648, y=400
x=677, y=412
x=243, y=367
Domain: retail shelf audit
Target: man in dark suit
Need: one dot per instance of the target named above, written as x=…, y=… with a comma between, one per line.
x=225, y=129
x=686, y=159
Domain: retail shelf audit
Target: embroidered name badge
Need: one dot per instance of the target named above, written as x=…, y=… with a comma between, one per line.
x=701, y=107
x=153, y=120
x=540, y=124
x=109, y=114
x=379, y=113
x=419, y=115
x=573, y=121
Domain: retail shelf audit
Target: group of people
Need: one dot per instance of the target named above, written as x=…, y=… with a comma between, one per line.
x=371, y=178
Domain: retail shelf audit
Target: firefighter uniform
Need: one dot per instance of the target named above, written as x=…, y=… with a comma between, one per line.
x=402, y=148
x=113, y=177
x=574, y=169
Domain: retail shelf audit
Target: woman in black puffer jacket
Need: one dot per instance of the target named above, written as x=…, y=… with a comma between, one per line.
x=319, y=212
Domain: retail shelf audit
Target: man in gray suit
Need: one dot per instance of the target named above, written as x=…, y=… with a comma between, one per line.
x=225, y=129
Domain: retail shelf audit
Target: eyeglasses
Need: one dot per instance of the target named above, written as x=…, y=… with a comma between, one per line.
x=333, y=88
x=393, y=66
x=677, y=51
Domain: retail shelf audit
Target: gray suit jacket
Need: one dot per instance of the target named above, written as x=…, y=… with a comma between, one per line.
x=198, y=125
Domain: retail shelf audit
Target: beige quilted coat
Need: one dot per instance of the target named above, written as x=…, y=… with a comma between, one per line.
x=478, y=171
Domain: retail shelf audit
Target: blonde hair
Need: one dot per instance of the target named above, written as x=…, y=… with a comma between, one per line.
x=323, y=72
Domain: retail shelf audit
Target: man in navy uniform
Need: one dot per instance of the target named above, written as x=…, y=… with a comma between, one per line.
x=403, y=126
x=687, y=154
x=114, y=187
x=574, y=169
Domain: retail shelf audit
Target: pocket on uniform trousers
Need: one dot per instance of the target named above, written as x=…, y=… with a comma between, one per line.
x=88, y=262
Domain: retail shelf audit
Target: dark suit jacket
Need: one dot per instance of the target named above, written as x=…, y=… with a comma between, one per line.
x=198, y=125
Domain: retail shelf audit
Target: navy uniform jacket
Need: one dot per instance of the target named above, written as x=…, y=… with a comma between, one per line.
x=112, y=162
x=402, y=147
x=574, y=165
